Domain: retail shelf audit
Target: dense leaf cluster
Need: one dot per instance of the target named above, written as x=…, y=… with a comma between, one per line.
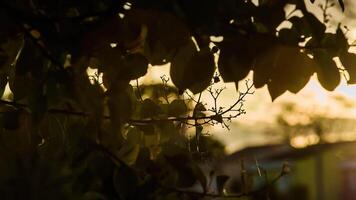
x=55, y=136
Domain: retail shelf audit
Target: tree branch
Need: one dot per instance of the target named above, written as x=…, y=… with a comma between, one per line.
x=145, y=121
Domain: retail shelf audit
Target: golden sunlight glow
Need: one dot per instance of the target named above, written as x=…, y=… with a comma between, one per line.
x=299, y=142
x=302, y=141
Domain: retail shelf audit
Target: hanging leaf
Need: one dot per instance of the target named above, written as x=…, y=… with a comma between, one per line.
x=235, y=60
x=261, y=46
x=341, y=39
x=179, y=67
x=165, y=33
x=327, y=71
x=135, y=66
x=301, y=25
x=289, y=36
x=271, y=14
x=280, y=74
x=192, y=69
x=348, y=60
x=316, y=26
x=294, y=75
x=275, y=90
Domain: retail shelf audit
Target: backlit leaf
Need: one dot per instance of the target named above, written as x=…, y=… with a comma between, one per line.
x=280, y=73
x=327, y=71
x=348, y=60
x=235, y=60
x=192, y=69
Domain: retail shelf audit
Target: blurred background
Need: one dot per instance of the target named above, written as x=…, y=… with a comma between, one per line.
x=312, y=132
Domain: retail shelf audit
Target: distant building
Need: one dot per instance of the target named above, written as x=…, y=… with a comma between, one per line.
x=318, y=172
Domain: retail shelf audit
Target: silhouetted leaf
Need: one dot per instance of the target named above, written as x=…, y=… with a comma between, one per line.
x=327, y=71
x=301, y=25
x=192, y=69
x=341, y=40
x=348, y=60
x=235, y=60
x=276, y=69
x=276, y=90
x=317, y=27
x=165, y=35
x=135, y=66
x=289, y=36
x=59, y=41
x=271, y=13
